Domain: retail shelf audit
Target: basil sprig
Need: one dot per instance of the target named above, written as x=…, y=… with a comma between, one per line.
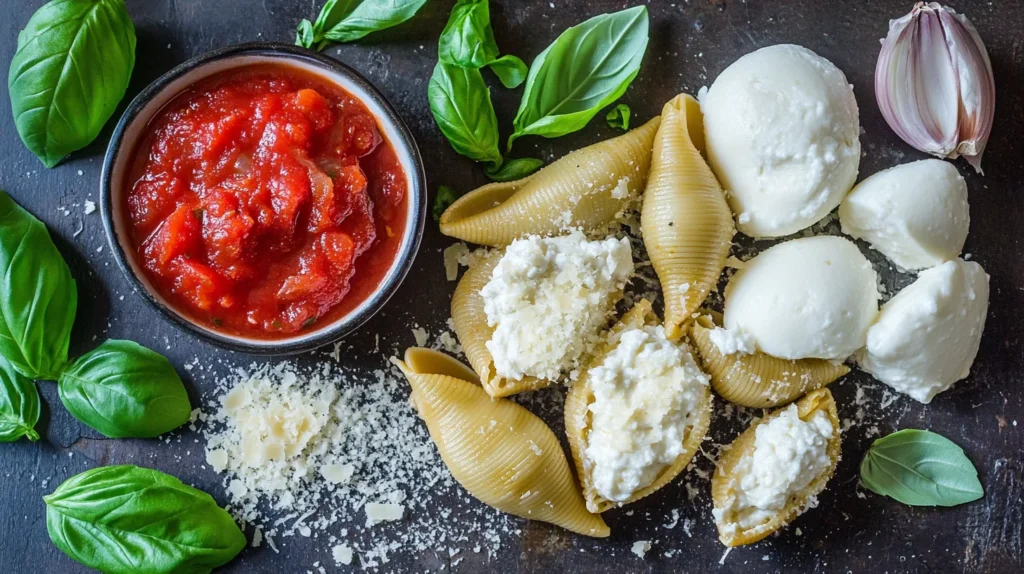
x=461, y=105
x=920, y=468
x=586, y=68
x=38, y=296
x=349, y=20
x=19, y=405
x=126, y=519
x=468, y=41
x=70, y=71
x=618, y=117
x=123, y=389
x=515, y=169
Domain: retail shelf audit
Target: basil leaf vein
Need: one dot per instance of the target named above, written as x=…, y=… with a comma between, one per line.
x=123, y=389
x=586, y=68
x=920, y=468
x=70, y=71
x=19, y=405
x=38, y=296
x=461, y=105
x=127, y=519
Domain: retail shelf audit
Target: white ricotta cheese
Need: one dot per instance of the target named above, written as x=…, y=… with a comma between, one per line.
x=809, y=297
x=646, y=391
x=783, y=136
x=731, y=342
x=548, y=300
x=928, y=335
x=916, y=214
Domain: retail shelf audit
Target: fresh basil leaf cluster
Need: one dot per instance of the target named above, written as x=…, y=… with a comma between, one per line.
x=349, y=20
x=618, y=118
x=920, y=468
x=70, y=71
x=468, y=41
x=123, y=389
x=461, y=104
x=120, y=389
x=126, y=519
x=19, y=405
x=444, y=198
x=38, y=296
x=586, y=68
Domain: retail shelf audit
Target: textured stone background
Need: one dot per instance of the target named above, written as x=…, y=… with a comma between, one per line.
x=691, y=42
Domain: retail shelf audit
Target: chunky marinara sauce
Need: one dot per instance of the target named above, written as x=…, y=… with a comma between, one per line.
x=265, y=202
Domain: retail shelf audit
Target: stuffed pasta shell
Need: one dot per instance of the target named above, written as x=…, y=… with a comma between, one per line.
x=685, y=220
x=498, y=451
x=587, y=189
x=750, y=378
x=526, y=315
x=772, y=472
x=637, y=414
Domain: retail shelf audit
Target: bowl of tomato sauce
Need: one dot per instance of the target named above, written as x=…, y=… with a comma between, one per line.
x=264, y=197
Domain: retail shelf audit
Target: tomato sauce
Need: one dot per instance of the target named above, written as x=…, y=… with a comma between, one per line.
x=265, y=202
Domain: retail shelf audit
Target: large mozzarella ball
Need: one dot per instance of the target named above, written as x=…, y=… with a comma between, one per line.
x=916, y=214
x=927, y=336
x=810, y=297
x=783, y=136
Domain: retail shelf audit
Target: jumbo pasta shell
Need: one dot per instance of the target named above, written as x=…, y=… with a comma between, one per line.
x=580, y=190
x=759, y=380
x=501, y=453
x=686, y=223
x=473, y=332
x=725, y=479
x=578, y=420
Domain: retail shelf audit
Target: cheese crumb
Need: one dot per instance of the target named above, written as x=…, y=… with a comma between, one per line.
x=342, y=554
x=90, y=207
x=732, y=341
x=453, y=254
x=387, y=512
x=641, y=547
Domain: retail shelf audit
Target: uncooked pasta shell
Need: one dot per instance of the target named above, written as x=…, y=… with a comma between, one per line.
x=578, y=420
x=723, y=483
x=686, y=223
x=758, y=380
x=501, y=453
x=473, y=332
x=580, y=190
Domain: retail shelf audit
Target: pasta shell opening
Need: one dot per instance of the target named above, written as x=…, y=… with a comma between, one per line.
x=759, y=380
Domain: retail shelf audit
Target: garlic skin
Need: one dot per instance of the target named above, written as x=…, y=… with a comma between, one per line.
x=934, y=83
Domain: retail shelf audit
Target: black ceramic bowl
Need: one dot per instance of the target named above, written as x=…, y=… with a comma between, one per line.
x=145, y=107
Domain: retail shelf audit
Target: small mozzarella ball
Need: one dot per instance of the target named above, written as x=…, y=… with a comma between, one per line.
x=927, y=336
x=783, y=136
x=811, y=297
x=916, y=214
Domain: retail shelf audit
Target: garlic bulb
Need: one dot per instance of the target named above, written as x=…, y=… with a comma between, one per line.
x=934, y=84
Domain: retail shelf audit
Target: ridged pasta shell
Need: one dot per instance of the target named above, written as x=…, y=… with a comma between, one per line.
x=686, y=223
x=580, y=190
x=501, y=453
x=473, y=332
x=759, y=380
x=578, y=418
x=724, y=480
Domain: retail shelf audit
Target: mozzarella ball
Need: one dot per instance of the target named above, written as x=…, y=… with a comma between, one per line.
x=811, y=297
x=783, y=137
x=927, y=336
x=916, y=214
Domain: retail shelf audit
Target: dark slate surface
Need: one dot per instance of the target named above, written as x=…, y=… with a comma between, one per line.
x=691, y=42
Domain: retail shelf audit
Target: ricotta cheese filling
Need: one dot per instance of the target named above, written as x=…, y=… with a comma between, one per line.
x=788, y=454
x=732, y=341
x=548, y=300
x=646, y=392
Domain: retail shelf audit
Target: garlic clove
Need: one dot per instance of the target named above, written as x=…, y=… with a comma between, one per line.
x=934, y=83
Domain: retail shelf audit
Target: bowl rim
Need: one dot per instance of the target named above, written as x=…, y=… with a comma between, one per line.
x=416, y=200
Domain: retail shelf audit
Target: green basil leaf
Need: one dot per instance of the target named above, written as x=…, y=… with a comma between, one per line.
x=19, y=405
x=38, y=296
x=461, y=104
x=444, y=198
x=347, y=21
x=304, y=35
x=510, y=70
x=515, y=169
x=468, y=40
x=586, y=68
x=131, y=520
x=618, y=118
x=123, y=389
x=72, y=67
x=920, y=468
